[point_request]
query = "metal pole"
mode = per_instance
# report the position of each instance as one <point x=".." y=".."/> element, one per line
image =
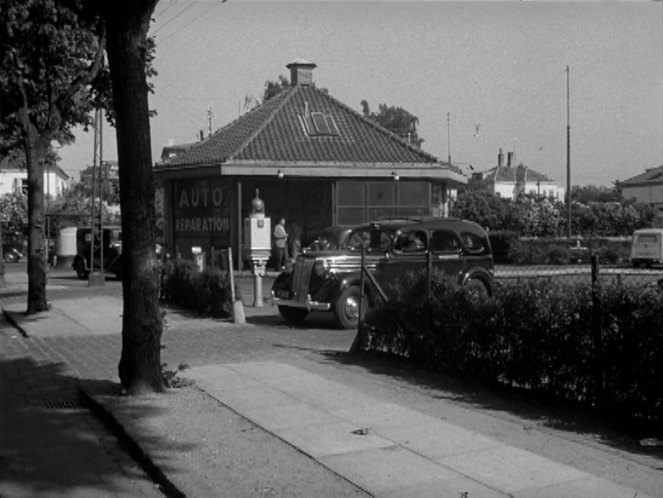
<point x="94" y="168"/>
<point x="102" y="174"/>
<point x="449" y="136"/>
<point x="568" y="159"/>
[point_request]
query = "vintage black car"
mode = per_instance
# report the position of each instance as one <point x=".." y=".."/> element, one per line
<point x="111" y="251"/>
<point x="330" y="280"/>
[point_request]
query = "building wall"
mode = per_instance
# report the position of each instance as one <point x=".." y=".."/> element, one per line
<point x="649" y="194"/>
<point x="209" y="212"/>
<point x="12" y="181"/>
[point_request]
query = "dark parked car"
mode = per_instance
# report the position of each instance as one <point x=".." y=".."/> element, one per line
<point x="329" y="280"/>
<point x="112" y="251"/>
<point x="12" y="246"/>
<point x="328" y="239"/>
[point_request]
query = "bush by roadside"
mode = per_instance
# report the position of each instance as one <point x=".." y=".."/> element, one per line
<point x="539" y="336"/>
<point x="508" y="247"/>
<point x="207" y="291"/>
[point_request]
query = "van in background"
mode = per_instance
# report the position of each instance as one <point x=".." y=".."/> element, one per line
<point x="647" y="247"/>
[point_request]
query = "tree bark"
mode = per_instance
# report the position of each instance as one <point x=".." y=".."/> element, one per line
<point x="3" y="282"/>
<point x="140" y="363"/>
<point x="35" y="147"/>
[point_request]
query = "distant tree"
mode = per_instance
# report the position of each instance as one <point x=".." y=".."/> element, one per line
<point x="14" y="212"/>
<point x="49" y="57"/>
<point x="395" y="119"/>
<point x="484" y="208"/>
<point x="591" y="193"/>
<point x="110" y="185"/>
<point x="274" y="88"/>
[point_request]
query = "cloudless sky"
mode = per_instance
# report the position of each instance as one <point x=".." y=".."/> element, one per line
<point x="498" y="66"/>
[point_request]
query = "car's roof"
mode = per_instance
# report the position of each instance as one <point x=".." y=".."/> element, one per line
<point x="425" y="223"/>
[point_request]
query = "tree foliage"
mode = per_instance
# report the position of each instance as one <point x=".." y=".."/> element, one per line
<point x="395" y="119"/>
<point x="49" y="58"/>
<point x="534" y="216"/>
<point x="14" y="212"/>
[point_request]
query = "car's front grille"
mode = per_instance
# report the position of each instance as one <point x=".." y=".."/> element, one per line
<point x="301" y="278"/>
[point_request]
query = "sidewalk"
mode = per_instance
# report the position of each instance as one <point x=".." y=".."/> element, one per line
<point x="258" y="423"/>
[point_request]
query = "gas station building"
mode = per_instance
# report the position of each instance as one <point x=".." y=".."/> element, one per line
<point x="314" y="161"/>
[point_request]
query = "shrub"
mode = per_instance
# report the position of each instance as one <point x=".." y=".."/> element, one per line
<point x="533" y="335"/>
<point x="208" y="291"/>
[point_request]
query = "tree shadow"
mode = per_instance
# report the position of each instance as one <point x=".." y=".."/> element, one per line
<point x="51" y="444"/>
<point x="565" y="417"/>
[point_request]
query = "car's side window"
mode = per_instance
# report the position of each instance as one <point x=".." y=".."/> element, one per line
<point x="473" y="242"/>
<point x="411" y="241"/>
<point x="445" y="241"/>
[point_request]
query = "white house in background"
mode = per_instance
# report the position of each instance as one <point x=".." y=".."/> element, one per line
<point x="648" y="189"/>
<point x="16" y="180"/>
<point x="509" y="181"/>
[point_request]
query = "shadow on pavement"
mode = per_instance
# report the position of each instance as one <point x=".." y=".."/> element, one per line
<point x="549" y="413"/>
<point x="51" y="444"/>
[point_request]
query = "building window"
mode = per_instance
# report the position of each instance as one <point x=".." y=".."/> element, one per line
<point x="318" y="124"/>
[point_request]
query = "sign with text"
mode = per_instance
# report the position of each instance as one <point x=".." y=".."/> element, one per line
<point x="201" y="209"/>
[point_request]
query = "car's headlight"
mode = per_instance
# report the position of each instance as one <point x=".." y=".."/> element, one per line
<point x="321" y="267"/>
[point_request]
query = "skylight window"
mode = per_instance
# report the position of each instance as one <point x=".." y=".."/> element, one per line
<point x="319" y="124"/>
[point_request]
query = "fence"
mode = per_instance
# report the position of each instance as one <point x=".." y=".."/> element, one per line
<point x="584" y="332"/>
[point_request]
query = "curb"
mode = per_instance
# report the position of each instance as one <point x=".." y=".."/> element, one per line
<point x="132" y="447"/>
<point x="8" y="316"/>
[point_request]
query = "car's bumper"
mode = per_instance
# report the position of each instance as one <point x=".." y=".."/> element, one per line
<point x="308" y="304"/>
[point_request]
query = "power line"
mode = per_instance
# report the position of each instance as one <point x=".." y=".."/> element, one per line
<point x="174" y="18"/>
<point x="206" y="11"/>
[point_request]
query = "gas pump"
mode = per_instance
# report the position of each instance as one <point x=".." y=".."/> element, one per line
<point x="257" y="245"/>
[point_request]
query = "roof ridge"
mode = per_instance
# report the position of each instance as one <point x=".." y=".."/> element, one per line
<point x="378" y="127"/>
<point x="288" y="94"/>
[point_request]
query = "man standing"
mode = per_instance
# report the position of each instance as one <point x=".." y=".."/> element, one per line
<point x="280" y="241"/>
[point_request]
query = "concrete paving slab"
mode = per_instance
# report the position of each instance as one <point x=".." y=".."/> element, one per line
<point x="461" y="487"/>
<point x="378" y="416"/>
<point x="383" y="470"/>
<point x="510" y="469"/>
<point x="248" y="399"/>
<point x="334" y="438"/>
<point x="294" y="415"/>
<point x="221" y="378"/>
<point x="583" y="488"/>
<point x="437" y="439"/>
<point x="266" y="370"/>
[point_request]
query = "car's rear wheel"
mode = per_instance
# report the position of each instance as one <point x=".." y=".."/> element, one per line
<point x="477" y="289"/>
<point x="294" y="315"/>
<point x="346" y="308"/>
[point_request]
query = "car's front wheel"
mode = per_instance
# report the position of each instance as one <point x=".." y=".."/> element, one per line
<point x="346" y="308"/>
<point x="81" y="272"/>
<point x="293" y="315"/>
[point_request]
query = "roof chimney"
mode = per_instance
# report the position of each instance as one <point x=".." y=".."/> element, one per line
<point x="301" y="72"/>
<point x="500" y="158"/>
<point x="509" y="159"/>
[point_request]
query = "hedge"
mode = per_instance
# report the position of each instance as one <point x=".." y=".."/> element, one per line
<point x="536" y="336"/>
<point x="206" y="292"/>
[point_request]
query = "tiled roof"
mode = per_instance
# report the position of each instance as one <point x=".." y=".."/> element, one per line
<point x="273" y="132"/>
<point x="507" y="174"/>
<point x="651" y="175"/>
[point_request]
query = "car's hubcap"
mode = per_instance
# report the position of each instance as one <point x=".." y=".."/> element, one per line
<point x="352" y="307"/>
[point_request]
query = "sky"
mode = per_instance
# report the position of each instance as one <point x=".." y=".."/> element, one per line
<point x="479" y="76"/>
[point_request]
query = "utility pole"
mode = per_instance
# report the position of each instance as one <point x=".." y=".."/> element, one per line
<point x="95" y="280"/>
<point x="568" y="159"/>
<point x="449" y="136"/>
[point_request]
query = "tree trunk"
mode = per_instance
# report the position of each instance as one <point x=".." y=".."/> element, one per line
<point x="35" y="152"/>
<point x="3" y="282"/>
<point x="142" y="326"/>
